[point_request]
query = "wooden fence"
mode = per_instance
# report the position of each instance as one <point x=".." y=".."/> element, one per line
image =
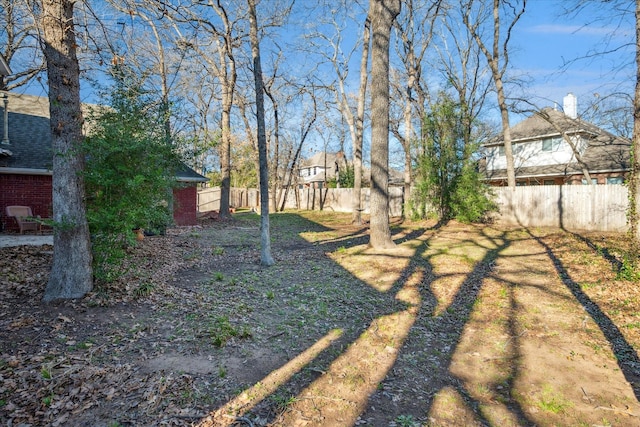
<point x="334" y="199"/>
<point x="574" y="207"/>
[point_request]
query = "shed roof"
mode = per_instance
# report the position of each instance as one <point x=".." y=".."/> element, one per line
<point x="4" y="67"/>
<point x="30" y="149"/>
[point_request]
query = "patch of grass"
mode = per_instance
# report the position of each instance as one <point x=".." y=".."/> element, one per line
<point x="217" y="250"/>
<point x="190" y="256"/>
<point x="218" y="276"/>
<point x="221" y="331"/>
<point x="270" y="294"/>
<point x="633" y="325"/>
<point x="47" y="400"/>
<point x="222" y="372"/>
<point x="552" y="401"/>
<point x="283" y="402"/>
<point x="629" y="269"/>
<point x="84" y="345"/>
<point x="405" y="421"/>
<point x="144" y="289"/>
<point x="45" y="373"/>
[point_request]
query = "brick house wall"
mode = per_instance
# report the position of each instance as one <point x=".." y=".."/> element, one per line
<point x="36" y="191"/>
<point x="185" y="199"/>
<point x="24" y="190"/>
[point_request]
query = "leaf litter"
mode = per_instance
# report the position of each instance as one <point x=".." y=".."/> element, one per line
<point x="210" y="323"/>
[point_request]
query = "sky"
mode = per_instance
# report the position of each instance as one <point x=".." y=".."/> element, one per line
<point x="549" y="51"/>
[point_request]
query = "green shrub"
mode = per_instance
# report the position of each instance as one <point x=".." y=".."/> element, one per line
<point x="129" y="173"/>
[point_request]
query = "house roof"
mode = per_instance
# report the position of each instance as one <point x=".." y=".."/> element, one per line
<point x="30" y="150"/>
<point x="605" y="152"/>
<point x="318" y="160"/>
<point x="29" y="135"/>
<point x="4" y="67"/>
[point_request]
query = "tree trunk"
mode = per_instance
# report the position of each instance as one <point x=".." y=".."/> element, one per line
<point x="71" y="274"/>
<point x="506" y="133"/>
<point x="265" y="236"/>
<point x="356" y="217"/>
<point x="634" y="180"/>
<point x="225" y="154"/>
<point x="382" y="13"/>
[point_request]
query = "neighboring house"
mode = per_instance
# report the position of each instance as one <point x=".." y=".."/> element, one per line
<point x="320" y="168"/>
<point x="543" y="152"/>
<point x="26" y="163"/>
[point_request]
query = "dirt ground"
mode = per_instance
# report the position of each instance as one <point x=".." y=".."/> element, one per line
<point x="459" y="325"/>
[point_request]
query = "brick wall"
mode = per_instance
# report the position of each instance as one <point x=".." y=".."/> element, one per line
<point x="36" y="191"/>
<point x="185" y="201"/>
<point x="24" y="190"/>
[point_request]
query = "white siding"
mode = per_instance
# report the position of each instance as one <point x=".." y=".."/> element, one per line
<point x="530" y="153"/>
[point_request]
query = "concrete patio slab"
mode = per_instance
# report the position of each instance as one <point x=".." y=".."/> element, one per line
<point x="8" y="240"/>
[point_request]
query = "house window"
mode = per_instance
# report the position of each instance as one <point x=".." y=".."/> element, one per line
<point x="517" y="148"/>
<point x="549" y="182"/>
<point x="613" y="180"/>
<point x="521" y="183"/>
<point x="501" y="150"/>
<point x="593" y="181"/>
<point x="551" y="144"/>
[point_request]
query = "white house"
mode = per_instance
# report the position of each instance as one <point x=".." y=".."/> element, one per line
<point x="555" y="148"/>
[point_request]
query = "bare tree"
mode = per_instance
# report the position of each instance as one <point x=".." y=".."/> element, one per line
<point x="382" y="13"/>
<point x="71" y="274"/>
<point x="497" y="57"/>
<point x="19" y="40"/>
<point x="306" y="125"/>
<point x="351" y="107"/>
<point x="225" y="34"/>
<point x="459" y="61"/>
<point x="415" y="32"/>
<point x="634" y="180"/>
<point x="265" y="236"/>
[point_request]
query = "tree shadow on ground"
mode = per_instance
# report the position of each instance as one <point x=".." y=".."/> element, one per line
<point x="409" y="301"/>
<point x="441" y="328"/>
<point x="626" y="355"/>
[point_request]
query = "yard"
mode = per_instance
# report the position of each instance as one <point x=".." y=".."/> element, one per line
<point x="461" y="325"/>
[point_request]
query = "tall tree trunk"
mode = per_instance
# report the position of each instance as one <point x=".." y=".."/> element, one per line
<point x="506" y="133"/>
<point x="265" y="236"/>
<point x="634" y="180"/>
<point x="225" y="152"/>
<point x="71" y="274"/>
<point x="227" y="75"/>
<point x="382" y="14"/>
<point x="356" y="216"/>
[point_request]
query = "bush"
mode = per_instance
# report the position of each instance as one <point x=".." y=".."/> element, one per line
<point x="129" y="173"/>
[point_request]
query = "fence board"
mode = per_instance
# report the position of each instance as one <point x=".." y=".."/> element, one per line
<point x="574" y="207"/>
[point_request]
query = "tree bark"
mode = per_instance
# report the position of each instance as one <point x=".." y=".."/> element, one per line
<point x="265" y="236"/>
<point x="382" y="14"/>
<point x="356" y="217"/>
<point x="71" y="274"/>
<point x="634" y="180"/>
<point x="227" y="75"/>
